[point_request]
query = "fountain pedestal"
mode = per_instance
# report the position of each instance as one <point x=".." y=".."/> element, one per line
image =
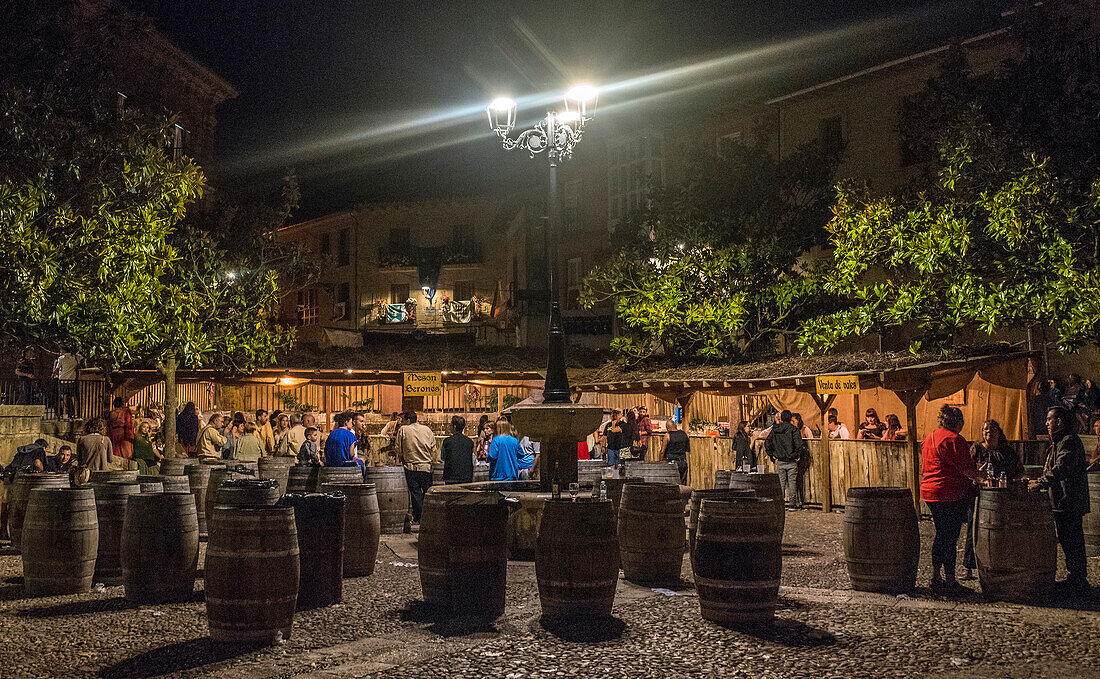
<point x="558" y="427"/>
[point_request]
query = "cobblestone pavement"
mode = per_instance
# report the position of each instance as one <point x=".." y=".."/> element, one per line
<point x="822" y="629"/>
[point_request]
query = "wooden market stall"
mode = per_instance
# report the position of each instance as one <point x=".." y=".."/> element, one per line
<point x="991" y="386"/>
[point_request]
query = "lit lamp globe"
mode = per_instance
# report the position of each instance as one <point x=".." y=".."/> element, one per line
<point x="582" y="100"/>
<point x="502" y="114"/>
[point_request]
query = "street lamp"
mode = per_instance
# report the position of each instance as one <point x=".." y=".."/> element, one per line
<point x="556" y="135"/>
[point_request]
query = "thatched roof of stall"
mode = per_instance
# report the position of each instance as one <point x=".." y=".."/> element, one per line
<point x="787" y="371"/>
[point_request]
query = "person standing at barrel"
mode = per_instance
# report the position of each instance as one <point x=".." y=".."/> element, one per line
<point x="742" y="446"/>
<point x="676" y="450"/>
<point x="248" y="447"/>
<point x="786" y="446"/>
<point x="949" y="477"/>
<point x="458" y="454"/>
<point x="504" y="453"/>
<point x="264" y="432"/>
<point x="1065" y="478"/>
<point x="993" y="451"/>
<point x="209" y="442"/>
<point x="613" y="438"/>
<point x="187" y="428"/>
<point x="416" y="450"/>
<point x="340" y="444"/>
<point x="120" y="427"/>
<point x="93" y="450"/>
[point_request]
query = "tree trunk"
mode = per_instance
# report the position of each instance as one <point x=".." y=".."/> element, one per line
<point x="171" y="405"/>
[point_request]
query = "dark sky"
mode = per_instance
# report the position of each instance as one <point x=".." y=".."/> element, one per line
<point x="383" y="100"/>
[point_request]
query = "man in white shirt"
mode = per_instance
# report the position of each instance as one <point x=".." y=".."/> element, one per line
<point x="66" y="373"/>
<point x="416" y="451"/>
<point x="837" y="430"/>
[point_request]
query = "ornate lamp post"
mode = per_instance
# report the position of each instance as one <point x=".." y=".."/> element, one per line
<point x="555" y="135"/>
<point x="557" y="423"/>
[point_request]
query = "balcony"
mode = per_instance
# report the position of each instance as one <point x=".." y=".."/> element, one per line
<point x="395" y="255"/>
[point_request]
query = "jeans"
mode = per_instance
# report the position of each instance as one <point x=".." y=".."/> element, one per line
<point x="968" y="550"/>
<point x="788" y="482"/>
<point x="612" y="457"/>
<point x="948" y="518"/>
<point x="418" y="483"/>
<point x="1071" y="535"/>
<point x="682" y="466"/>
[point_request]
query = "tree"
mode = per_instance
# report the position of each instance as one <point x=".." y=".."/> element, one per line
<point x="713" y="268"/>
<point x="1003" y="234"/>
<point x="95" y="208"/>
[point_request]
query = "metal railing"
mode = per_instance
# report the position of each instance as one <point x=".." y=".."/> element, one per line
<point x="75" y="399"/>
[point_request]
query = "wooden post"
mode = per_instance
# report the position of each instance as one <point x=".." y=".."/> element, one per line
<point x="326" y="406"/>
<point x="911" y="397"/>
<point x="824" y="402"/>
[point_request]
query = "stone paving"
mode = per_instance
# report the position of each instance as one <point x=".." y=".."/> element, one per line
<point x="822" y="629"/>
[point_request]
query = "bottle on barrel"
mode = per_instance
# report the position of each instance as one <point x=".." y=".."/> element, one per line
<point x="555" y="489"/>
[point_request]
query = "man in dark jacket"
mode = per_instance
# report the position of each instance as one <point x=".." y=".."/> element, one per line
<point x="1066" y="480"/>
<point x="785" y="445"/>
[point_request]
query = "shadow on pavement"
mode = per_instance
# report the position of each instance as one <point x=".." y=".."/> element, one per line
<point x="789" y="633"/>
<point x="177" y="657"/>
<point x="584" y="630"/>
<point x="443" y="622"/>
<point x="77" y="608"/>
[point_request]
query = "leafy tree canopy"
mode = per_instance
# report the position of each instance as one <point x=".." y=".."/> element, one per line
<point x="712" y="267"/>
<point x="1003" y="234"/>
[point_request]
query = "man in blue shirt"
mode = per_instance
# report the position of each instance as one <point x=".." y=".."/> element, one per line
<point x="340" y="447"/>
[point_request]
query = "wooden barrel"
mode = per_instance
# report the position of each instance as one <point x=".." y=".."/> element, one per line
<point x="319" y="520"/>
<point x="218" y="476"/>
<point x="19" y="493"/>
<point x="150" y="484"/>
<point x="722" y="478"/>
<point x="251" y="574"/>
<point x="198" y="480"/>
<point x="277" y="468"/>
<point x="653" y="472"/>
<point x="60" y="540"/>
<point x="175" y="484"/>
<point x="1092" y="519"/>
<point x="362" y="526"/>
<point x="160" y="547"/>
<point x="393" y="497"/>
<point x="110" y="505"/>
<point x="738" y="560"/>
<point x="463" y="551"/>
<point x="589" y="472"/>
<point x="881" y="539"/>
<point x="764" y="485"/>
<point x="651" y="533"/>
<point x="107" y="476"/>
<point x="1015" y="545"/>
<point x="577" y="559"/>
<point x="697" y="496"/>
<point x="351" y="474"/>
<point x="437" y="473"/>
<point x="481" y="471"/>
<point x="246" y="493"/>
<point x="176" y="466"/>
<point x="303" y="479"/>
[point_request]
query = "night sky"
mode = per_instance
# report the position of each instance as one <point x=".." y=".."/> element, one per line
<point x="383" y="100"/>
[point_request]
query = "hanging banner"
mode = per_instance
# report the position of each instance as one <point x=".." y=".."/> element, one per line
<point x="422" y="384"/>
<point x="837" y="384"/>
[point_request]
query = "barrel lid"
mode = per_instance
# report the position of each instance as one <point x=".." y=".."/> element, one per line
<point x="242" y="469"/>
<point x="82" y="491"/>
<point x="258" y="484"/>
<point x="883" y="491"/>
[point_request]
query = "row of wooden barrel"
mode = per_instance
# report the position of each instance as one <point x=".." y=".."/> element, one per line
<point x="148" y="542"/>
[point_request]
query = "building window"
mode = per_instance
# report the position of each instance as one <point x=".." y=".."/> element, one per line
<point x="400" y="239"/>
<point x="573" y="284"/>
<point x="307" y="307"/>
<point x="399" y="293"/>
<point x="464" y="290"/>
<point x="632" y="165"/>
<point x="343" y="299"/>
<point x="831" y="134"/>
<point x="179" y="141"/>
<point x="343" y="247"/>
<point x="325" y="245"/>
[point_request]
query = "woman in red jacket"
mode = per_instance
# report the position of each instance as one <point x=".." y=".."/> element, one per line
<point x="947" y="486"/>
<point x="120" y="426"/>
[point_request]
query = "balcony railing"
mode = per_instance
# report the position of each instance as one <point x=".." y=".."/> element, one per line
<point x="456" y="252"/>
